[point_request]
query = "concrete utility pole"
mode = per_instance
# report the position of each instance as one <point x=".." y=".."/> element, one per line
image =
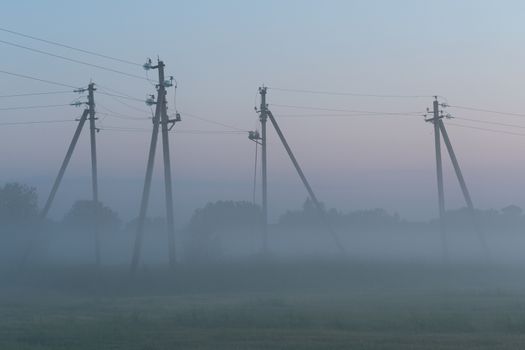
<point x="94" y="173"/>
<point x="440" y="130"/>
<point x="306" y="184"/>
<point x="167" y="165"/>
<point x="47" y="206"/>
<point x="464" y="190"/>
<point x="264" y="114"/>
<point x="439" y="172"/>
<point x="64" y="165"/>
<point x="160" y="118"/>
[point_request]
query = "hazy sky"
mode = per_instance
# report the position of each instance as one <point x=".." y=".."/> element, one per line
<point x="470" y="52"/>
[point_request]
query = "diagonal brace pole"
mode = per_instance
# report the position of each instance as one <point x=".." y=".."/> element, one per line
<point x="47" y="206"/>
<point x="306" y="184"/>
<point x="65" y="163"/>
<point x="463" y="185"/>
<point x="146" y="190"/>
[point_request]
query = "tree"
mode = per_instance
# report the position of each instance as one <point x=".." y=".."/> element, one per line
<point x="206" y="224"/>
<point x="512" y="211"/>
<point x="18" y="206"/>
<point x="307" y="216"/>
<point x="84" y="214"/>
<point x="18" y="219"/>
<point x="93" y="217"/>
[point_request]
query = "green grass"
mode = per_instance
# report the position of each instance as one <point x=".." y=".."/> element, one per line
<point x="307" y="305"/>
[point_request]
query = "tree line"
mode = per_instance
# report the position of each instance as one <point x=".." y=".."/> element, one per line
<point x="201" y="236"/>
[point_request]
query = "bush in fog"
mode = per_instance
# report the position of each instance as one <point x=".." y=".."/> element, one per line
<point x="309" y="215"/>
<point x="509" y="218"/>
<point x="208" y="224"/>
<point x="84" y="213"/>
<point x="18" y="208"/>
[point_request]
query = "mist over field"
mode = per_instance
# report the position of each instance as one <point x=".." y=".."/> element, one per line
<point x="293" y="174"/>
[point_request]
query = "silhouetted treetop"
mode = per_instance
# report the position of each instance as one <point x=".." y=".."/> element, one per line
<point x="18" y="204"/>
<point x="84" y="213"/>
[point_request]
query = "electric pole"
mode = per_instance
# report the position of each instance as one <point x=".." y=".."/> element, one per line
<point x="439" y="172"/>
<point x="264" y="114"/>
<point x="160" y="118"/>
<point x="167" y="166"/>
<point x="440" y="130"/>
<point x="94" y="173"/>
<point x="88" y="113"/>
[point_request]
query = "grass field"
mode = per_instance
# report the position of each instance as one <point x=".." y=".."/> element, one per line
<point x="285" y="305"/>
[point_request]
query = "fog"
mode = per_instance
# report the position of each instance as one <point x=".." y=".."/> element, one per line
<point x="262" y="175"/>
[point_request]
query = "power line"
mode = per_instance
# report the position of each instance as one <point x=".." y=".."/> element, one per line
<point x="335" y="93"/>
<point x="488" y="111"/>
<point x="120" y="96"/>
<point x="188" y="131"/>
<point x="347" y="110"/>
<point x="122" y="116"/>
<point x="70" y="47"/>
<point x="491" y="123"/>
<point x="119" y="93"/>
<point x="38" y="79"/>
<point x="212" y="122"/>
<point x="198" y="132"/>
<point x="73" y="60"/>
<point x="38" y="122"/>
<point x="486" y="129"/>
<point x="379" y="115"/>
<point x="37" y="94"/>
<point x="33" y="107"/>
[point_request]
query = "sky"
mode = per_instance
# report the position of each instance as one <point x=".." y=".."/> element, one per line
<point x="470" y="53"/>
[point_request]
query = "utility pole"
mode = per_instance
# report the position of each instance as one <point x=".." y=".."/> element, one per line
<point x="264" y="114"/>
<point x="439" y="172"/>
<point x="160" y="117"/>
<point x="88" y="112"/>
<point x="94" y="173"/>
<point x="167" y="166"/>
<point x="440" y="130"/>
